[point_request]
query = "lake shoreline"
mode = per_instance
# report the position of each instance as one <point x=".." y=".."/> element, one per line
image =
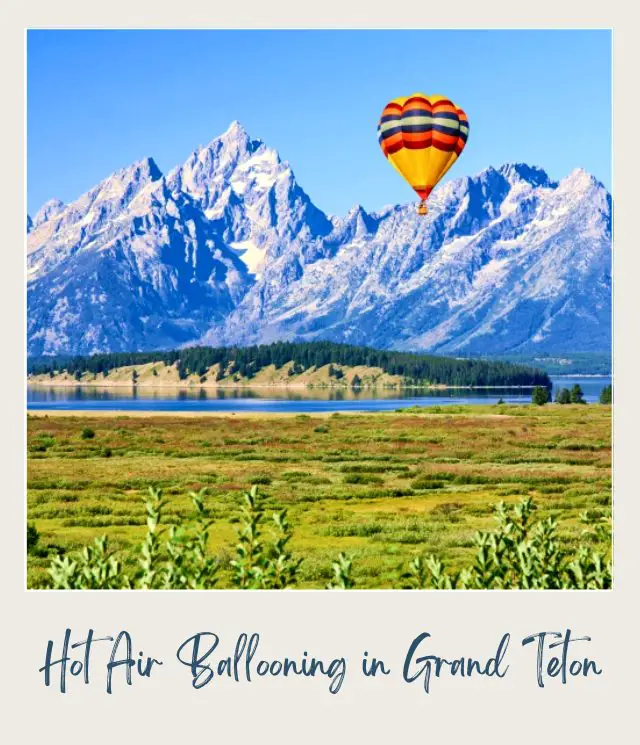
<point x="296" y="398"/>
<point x="292" y="386"/>
<point x="148" y="413"/>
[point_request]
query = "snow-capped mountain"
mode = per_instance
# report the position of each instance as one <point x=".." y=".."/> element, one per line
<point x="251" y="197"/>
<point x="228" y="249"/>
<point x="129" y="265"/>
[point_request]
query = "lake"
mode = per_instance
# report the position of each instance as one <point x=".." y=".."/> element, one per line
<point x="285" y="400"/>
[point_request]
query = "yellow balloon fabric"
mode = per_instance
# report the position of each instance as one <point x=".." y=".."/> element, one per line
<point x="422" y="137"/>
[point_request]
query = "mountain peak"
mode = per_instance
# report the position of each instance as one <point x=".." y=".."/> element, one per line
<point x="48" y="210"/>
<point x="581" y="179"/>
<point x="235" y="129"/>
<point x="235" y="139"/>
<point x="533" y="175"/>
<point x="145" y="168"/>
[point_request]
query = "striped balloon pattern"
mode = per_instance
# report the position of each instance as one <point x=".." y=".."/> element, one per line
<point x="422" y="137"/>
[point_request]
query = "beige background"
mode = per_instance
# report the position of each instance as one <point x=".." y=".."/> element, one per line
<point x="165" y="708"/>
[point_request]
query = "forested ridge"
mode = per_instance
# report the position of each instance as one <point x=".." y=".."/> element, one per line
<point x="247" y="361"/>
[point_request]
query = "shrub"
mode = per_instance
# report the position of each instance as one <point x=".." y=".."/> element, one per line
<point x="178" y="557"/>
<point x="524" y="554"/>
<point x="33" y="536"/>
<point x="342" y="578"/>
<point x="519" y="553"/>
<point x="255" y="566"/>
<point x="426" y="482"/>
<point x="87" y="434"/>
<point x="362" y="478"/>
<point x="260" y="479"/>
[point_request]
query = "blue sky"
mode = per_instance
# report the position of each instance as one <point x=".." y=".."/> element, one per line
<point x="99" y="100"/>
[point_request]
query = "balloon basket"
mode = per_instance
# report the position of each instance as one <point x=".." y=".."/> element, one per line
<point x="422" y="208"/>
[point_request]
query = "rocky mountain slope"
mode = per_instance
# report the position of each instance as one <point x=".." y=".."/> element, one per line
<point x="228" y="249"/>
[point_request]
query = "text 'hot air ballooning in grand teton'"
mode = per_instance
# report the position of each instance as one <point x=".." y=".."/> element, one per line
<point x="422" y="137"/>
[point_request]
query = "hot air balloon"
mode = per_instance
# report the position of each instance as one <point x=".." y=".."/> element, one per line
<point x="422" y="137"/>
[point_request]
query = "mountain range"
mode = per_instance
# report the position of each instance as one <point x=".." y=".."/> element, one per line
<point x="228" y="249"/>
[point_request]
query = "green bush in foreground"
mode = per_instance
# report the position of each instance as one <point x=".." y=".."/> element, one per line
<point x="520" y="553"/>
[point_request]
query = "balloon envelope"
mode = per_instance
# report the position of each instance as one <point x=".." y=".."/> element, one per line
<point x="422" y="137"/>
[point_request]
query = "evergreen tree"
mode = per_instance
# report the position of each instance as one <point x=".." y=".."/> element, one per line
<point x="422" y="369"/>
<point x="577" y="396"/>
<point x="563" y="396"/>
<point x="540" y="395"/>
<point x="606" y="394"/>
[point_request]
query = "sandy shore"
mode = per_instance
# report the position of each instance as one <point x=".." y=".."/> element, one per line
<point x="147" y="414"/>
<point x="111" y="413"/>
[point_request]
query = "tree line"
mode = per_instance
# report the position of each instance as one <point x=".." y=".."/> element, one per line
<point x="575" y="395"/>
<point x="247" y="361"/>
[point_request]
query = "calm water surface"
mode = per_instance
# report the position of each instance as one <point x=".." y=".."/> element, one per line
<point x="282" y="399"/>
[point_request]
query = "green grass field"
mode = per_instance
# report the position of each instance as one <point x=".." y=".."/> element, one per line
<point x="380" y="487"/>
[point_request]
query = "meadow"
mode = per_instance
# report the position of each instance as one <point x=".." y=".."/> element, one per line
<point x="381" y="488"/>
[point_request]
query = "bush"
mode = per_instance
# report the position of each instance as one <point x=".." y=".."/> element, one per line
<point x="362" y="478"/>
<point x="524" y="554"/>
<point x="260" y="479"/>
<point x="342" y="578"/>
<point x="540" y="395"/>
<point x="33" y="536"/>
<point x="426" y="482"/>
<point x="520" y="553"/>
<point x="87" y="434"/>
<point x="563" y="396"/>
<point x="178" y="557"/>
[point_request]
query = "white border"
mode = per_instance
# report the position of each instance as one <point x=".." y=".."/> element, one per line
<point x="166" y="708"/>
